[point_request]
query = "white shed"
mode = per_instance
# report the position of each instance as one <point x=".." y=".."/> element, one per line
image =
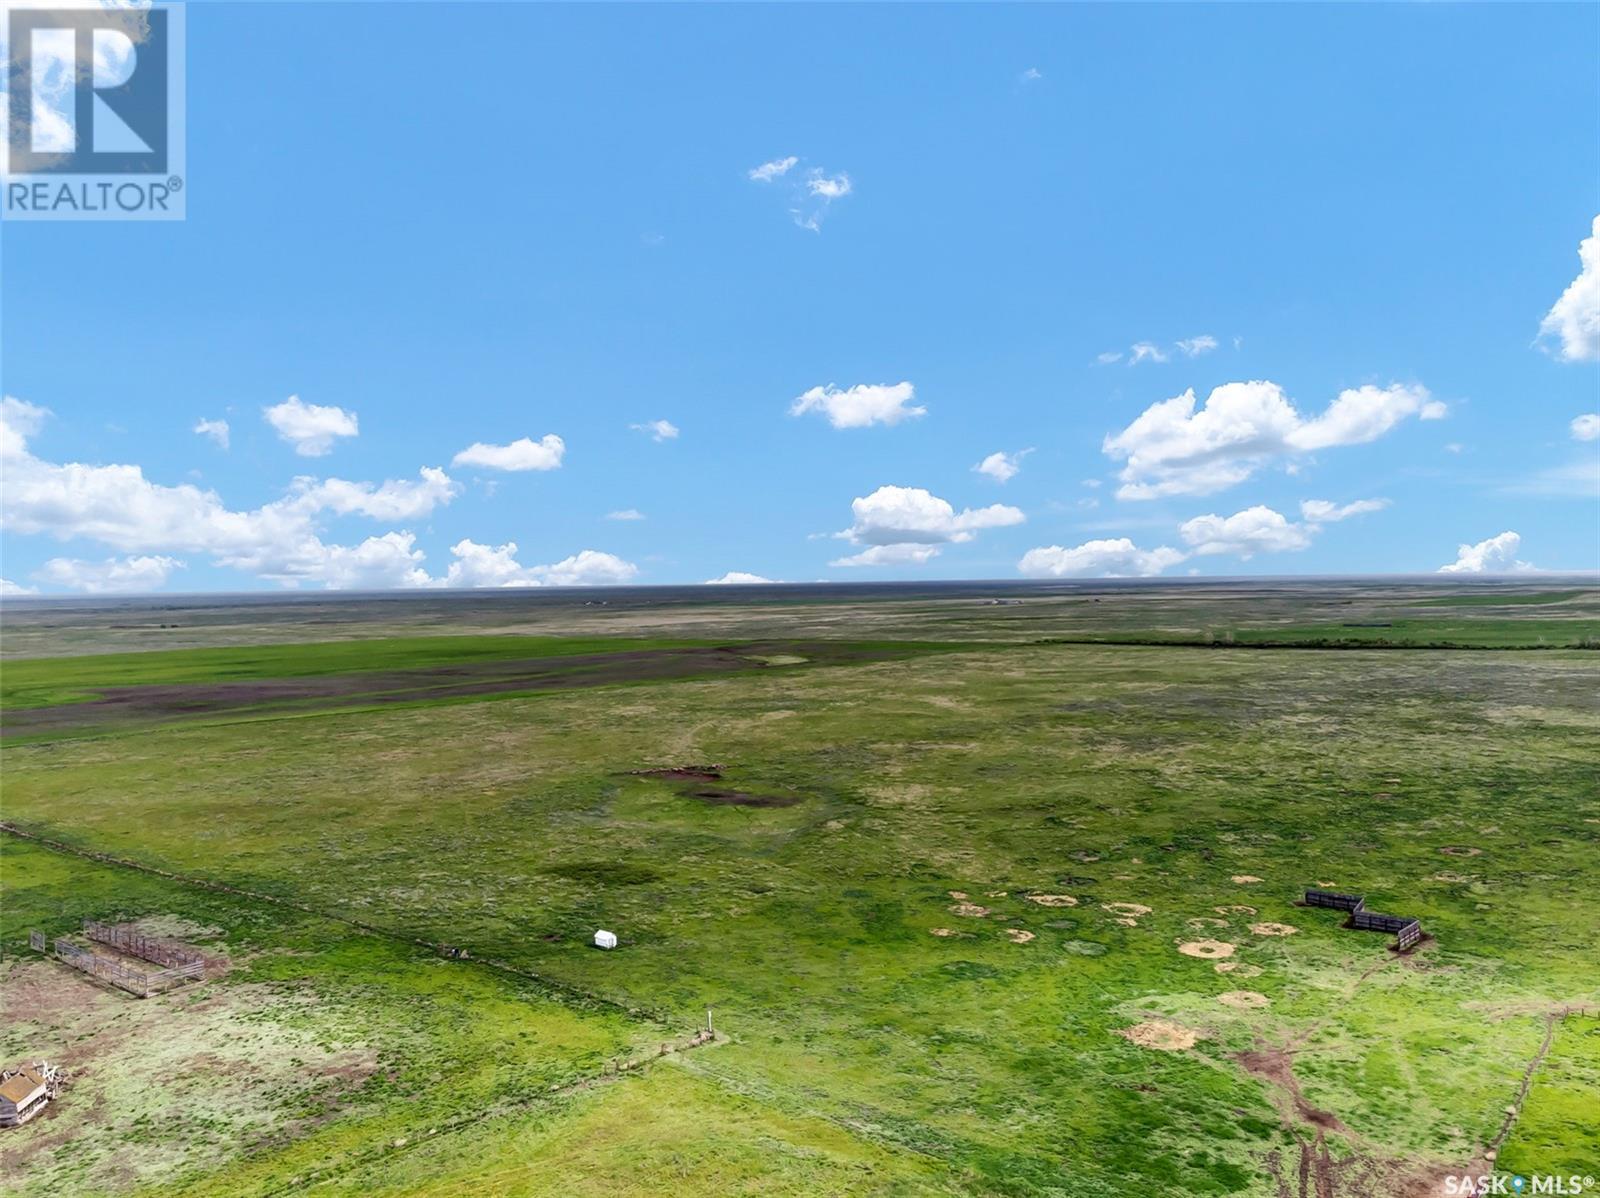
<point x="605" y="939"/>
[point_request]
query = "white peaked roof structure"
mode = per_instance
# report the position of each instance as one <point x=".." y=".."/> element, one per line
<point x="605" y="939"/>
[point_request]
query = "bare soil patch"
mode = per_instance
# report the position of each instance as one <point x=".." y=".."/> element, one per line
<point x="1209" y="950"/>
<point x="1243" y="879"/>
<point x="162" y="702"/>
<point x="682" y="773"/>
<point x="1018" y="935"/>
<point x="1132" y="910"/>
<point x="1245" y="1000"/>
<point x="1238" y="969"/>
<point x="1160" y="1034"/>
<point x="1460" y="850"/>
<point x="1273" y="929"/>
<point x="1276" y="1065"/>
<point x="1053" y="900"/>
<point x="970" y="910"/>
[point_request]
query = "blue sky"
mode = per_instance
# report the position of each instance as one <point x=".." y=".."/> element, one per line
<point x="1352" y="232"/>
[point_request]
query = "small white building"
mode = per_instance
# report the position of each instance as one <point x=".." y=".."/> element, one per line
<point x="605" y="939"/>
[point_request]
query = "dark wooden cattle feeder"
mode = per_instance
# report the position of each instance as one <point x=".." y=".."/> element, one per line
<point x="1407" y="929"/>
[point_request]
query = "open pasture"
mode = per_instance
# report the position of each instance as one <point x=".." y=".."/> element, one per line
<point x="1008" y="917"/>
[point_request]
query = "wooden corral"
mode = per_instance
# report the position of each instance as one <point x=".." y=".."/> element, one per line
<point x="179" y="963"/>
<point x="127" y="939"/>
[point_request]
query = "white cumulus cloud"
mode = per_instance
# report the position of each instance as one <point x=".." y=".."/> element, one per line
<point x="1173" y="449"/>
<point x="911" y="515"/>
<point x="860" y="406"/>
<point x="1586" y="427"/>
<point x="310" y="428"/>
<point x="19" y="420"/>
<point x="1323" y="511"/>
<point x="819" y="192"/>
<point x="1002" y="467"/>
<point x="907" y="525"/>
<point x="522" y="454"/>
<point x="890" y="555"/>
<point x="1193" y="347"/>
<point x="659" y="430"/>
<point x="117" y="506"/>
<point x="395" y="499"/>
<point x="1118" y="558"/>
<point x="828" y="187"/>
<point x="1574" y="320"/>
<point x="1146" y="351"/>
<point x="1496" y="555"/>
<point x="1255" y="530"/>
<point x="776" y="169"/>
<point x="217" y="430"/>
<point x="737" y="578"/>
<point x="810" y="193"/>
<point x="12" y="590"/>
<point x="478" y="565"/>
<point x="588" y="568"/>
<point x="627" y="513"/>
<point x="114" y="576"/>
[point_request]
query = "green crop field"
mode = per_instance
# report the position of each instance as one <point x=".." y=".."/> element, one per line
<point x="984" y="898"/>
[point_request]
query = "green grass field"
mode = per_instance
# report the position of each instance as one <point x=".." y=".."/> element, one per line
<point x="1021" y="921"/>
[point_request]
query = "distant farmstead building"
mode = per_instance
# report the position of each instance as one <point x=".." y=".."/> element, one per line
<point x="22" y="1096"/>
<point x="605" y="939"/>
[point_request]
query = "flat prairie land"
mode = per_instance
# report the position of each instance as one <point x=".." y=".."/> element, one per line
<point x="988" y="891"/>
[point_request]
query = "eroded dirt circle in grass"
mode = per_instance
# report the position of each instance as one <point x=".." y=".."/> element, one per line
<point x="1018" y="935"/>
<point x="1247" y="1000"/>
<point x="944" y="931"/>
<point x="1132" y="910"/>
<point x="1273" y="929"/>
<point x="958" y="895"/>
<point x="1243" y="879"/>
<point x="1209" y="950"/>
<point x="970" y="910"/>
<point x="1053" y="900"/>
<point x="1460" y="850"/>
<point x="1238" y="969"/>
<point x="1203" y="922"/>
<point x="1235" y="909"/>
<point x="1160" y="1034"/>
